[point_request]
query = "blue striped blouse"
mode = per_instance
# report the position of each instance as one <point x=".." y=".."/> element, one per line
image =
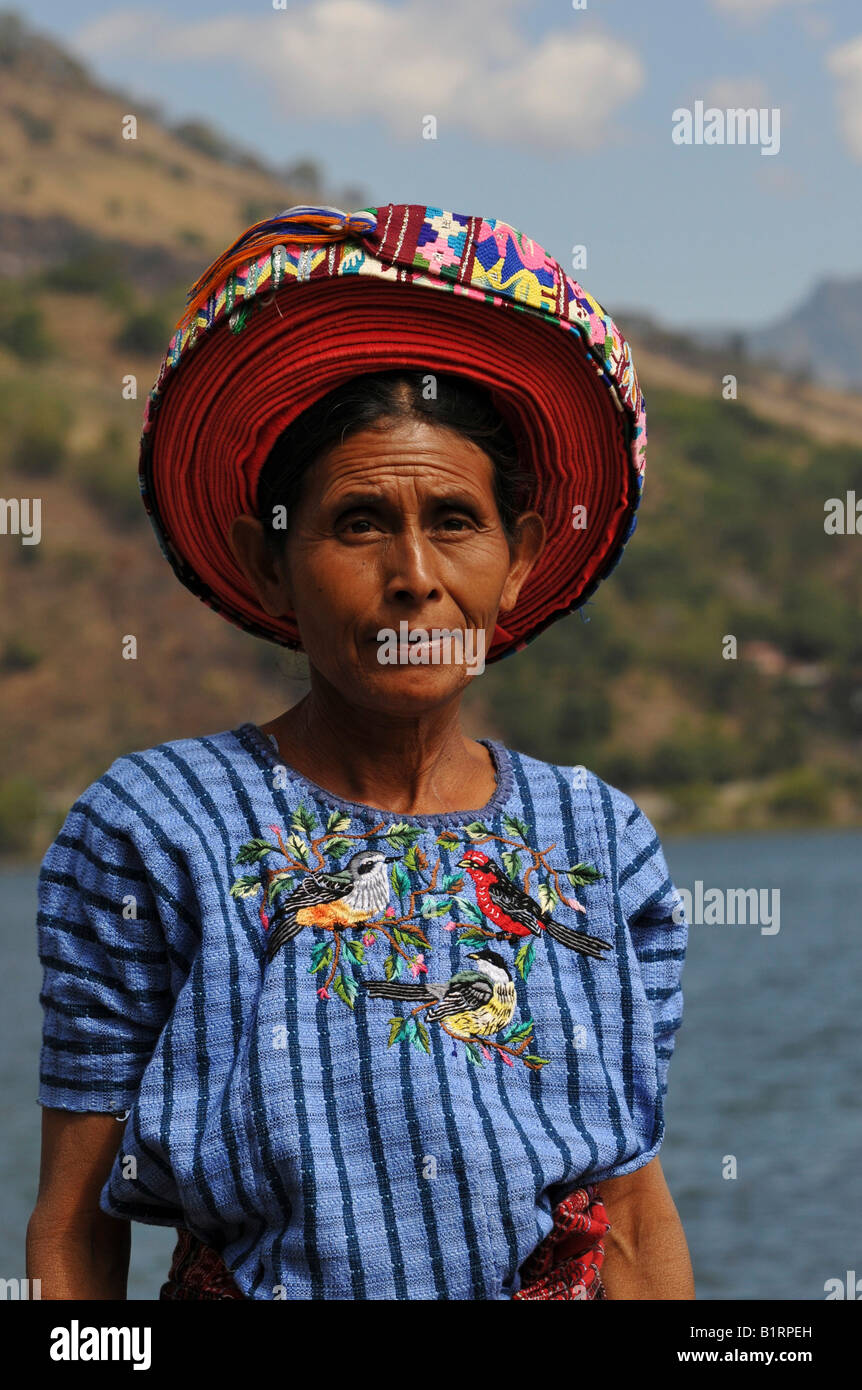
<point x="363" y="1055"/>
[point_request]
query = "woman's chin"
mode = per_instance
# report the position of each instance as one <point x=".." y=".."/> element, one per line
<point x="411" y="686"/>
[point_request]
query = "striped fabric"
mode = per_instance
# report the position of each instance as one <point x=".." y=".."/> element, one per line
<point x="326" y="1141"/>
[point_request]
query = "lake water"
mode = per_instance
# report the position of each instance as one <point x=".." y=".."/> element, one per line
<point x="766" y="1069"/>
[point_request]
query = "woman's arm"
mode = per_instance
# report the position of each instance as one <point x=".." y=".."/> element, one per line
<point x="646" y="1255"/>
<point x="72" y="1246"/>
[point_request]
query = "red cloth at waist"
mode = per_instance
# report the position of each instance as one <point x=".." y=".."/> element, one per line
<point x="565" y="1265"/>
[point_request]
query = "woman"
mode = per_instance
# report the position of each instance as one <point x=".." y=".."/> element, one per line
<point x="384" y="1012"/>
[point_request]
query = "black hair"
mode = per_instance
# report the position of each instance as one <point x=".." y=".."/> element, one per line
<point x="372" y="399"/>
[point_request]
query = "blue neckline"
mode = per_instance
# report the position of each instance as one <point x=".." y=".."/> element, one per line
<point x="263" y="745"/>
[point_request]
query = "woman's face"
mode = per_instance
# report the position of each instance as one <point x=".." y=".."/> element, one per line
<point x="396" y="524"/>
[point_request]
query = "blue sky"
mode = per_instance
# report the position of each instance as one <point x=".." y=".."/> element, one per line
<point x="557" y="119"/>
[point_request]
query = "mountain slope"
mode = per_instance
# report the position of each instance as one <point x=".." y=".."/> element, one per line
<point x="99" y="239"/>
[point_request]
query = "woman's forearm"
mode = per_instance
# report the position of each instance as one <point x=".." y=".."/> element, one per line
<point x="651" y="1263"/>
<point x="646" y="1253"/>
<point x="90" y="1260"/>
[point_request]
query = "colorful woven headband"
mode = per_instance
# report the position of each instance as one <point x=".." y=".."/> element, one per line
<point x="305" y="300"/>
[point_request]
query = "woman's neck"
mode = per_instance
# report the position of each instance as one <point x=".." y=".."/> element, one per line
<point x="420" y="765"/>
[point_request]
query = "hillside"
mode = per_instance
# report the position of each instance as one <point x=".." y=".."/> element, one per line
<point x="152" y="207"/>
<point x="821" y="336"/>
<point x="730" y="538"/>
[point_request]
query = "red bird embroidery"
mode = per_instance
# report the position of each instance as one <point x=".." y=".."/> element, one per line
<point x="515" y="914"/>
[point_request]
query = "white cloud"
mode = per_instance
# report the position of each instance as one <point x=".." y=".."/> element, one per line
<point x="467" y="62"/>
<point x="845" y="64"/>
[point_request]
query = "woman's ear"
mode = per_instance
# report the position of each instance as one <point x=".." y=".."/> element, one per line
<point x="264" y="571"/>
<point x="530" y="540"/>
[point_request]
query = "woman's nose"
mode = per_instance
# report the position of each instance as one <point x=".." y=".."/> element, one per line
<point x="411" y="563"/>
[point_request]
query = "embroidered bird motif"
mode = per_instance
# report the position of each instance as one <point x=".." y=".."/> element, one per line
<point x="333" y="899"/>
<point x="474" y="1003"/>
<point x="515" y="914"/>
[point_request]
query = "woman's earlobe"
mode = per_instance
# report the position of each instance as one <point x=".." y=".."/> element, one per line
<point x="259" y="565"/>
<point x="532" y="538"/>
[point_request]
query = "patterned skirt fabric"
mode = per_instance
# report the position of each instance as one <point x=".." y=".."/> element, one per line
<point x="198" y="1271"/>
<point x="568" y="1262"/>
<point x="566" y="1265"/>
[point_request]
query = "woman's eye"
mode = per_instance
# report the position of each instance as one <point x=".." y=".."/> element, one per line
<point x="354" y="526"/>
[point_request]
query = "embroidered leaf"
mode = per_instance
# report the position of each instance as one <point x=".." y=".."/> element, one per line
<point x="579" y="874"/>
<point x="414" y="1030"/>
<point x="473" y="1054"/>
<point x="411" y="936"/>
<point x="278" y="884"/>
<point x="335" y="848"/>
<point x="253" y="851"/>
<point x="298" y="848"/>
<point x="396" y="1026"/>
<point x="477" y="831"/>
<point x="548" y="896"/>
<point x="525" y="957"/>
<point x="345" y="987"/>
<point x="470" y="910"/>
<point x="533" y="1062"/>
<point x="438" y="909"/>
<point x="399" y="880"/>
<point x="452" y="881"/>
<point x="512" y="864"/>
<point x="303" y="819"/>
<point x="472" y="938"/>
<point x="402" y="836"/>
<point x="516" y="827"/>
<point x="517" y="1032"/>
<point x="248" y="886"/>
<point x="393" y="965"/>
<point x="321" y="955"/>
<point x="337" y="821"/>
<point x="356" y="949"/>
<point x="415" y="859"/>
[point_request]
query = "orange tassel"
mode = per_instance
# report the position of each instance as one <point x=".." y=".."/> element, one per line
<point x="317" y="228"/>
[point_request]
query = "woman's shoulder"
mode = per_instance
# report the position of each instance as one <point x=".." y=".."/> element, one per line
<point x="142" y="773"/>
<point x="622" y="830"/>
<point x="145" y="797"/>
<point x="587" y="785"/>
